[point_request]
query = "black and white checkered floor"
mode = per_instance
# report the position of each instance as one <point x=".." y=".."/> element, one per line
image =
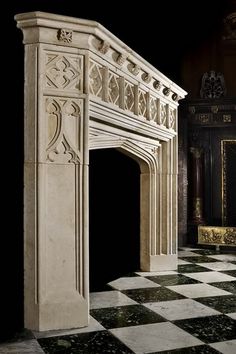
<point x="192" y="310"/>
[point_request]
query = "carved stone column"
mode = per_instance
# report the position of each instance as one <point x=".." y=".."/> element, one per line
<point x="197" y="185"/>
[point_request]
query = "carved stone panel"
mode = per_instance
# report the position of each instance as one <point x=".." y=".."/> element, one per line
<point x="63" y="129"/>
<point x="63" y="71"/>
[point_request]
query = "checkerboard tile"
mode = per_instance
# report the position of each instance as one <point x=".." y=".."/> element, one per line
<point x="190" y="310"/>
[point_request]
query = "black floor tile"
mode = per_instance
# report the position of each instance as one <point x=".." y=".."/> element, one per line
<point x="172" y="279"/>
<point x="199" y="259"/>
<point x="192" y="268"/>
<point x="229" y="272"/>
<point x="152" y="294"/>
<point x="226" y="285"/>
<point x="200" y="349"/>
<point x="224" y="304"/>
<point x="207" y="252"/>
<point x="125" y="316"/>
<point x="210" y="329"/>
<point x="86" y="343"/>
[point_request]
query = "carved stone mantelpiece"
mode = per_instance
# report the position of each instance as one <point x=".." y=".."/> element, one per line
<point x="81" y="93"/>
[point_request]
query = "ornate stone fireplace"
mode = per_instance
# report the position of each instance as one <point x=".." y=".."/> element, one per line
<point x="85" y="89"/>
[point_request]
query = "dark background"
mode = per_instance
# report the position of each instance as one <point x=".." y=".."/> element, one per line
<point x="160" y="31"/>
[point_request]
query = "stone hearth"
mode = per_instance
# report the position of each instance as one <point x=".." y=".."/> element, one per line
<point x="85" y="89"/>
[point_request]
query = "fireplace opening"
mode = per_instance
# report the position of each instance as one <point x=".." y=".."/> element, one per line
<point x="114" y="216"/>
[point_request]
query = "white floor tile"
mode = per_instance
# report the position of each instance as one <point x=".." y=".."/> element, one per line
<point x="218" y="265"/>
<point x="180" y="309"/>
<point x="189" y="249"/>
<point x="154" y="337"/>
<point x="232" y="315"/>
<point x="152" y="274"/>
<point x="132" y="283"/>
<point x="228" y="347"/>
<point x="109" y="299"/>
<point x="198" y="290"/>
<point x="25" y="347"/>
<point x="224" y="257"/>
<point x="210" y="277"/>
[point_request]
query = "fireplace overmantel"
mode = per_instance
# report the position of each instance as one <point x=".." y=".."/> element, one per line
<point x="85" y="89"/>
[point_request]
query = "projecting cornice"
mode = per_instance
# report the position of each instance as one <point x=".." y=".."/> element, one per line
<point x="91" y="35"/>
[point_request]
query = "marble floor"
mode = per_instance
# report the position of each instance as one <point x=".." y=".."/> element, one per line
<point x="191" y="310"/>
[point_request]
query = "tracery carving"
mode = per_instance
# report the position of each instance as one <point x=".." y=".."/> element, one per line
<point x="163" y="114"/>
<point x="142" y="103"/>
<point x="63" y="121"/>
<point x="95" y="78"/>
<point x="129" y="96"/>
<point x="113" y="89"/>
<point x="153" y="109"/>
<point x="64" y="35"/>
<point x="172" y="118"/>
<point x="64" y="71"/>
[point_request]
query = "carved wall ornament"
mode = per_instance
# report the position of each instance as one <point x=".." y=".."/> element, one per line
<point x="166" y="91"/>
<point x="121" y="59"/>
<point x="172" y="118"/>
<point x="230" y="27"/>
<point x="146" y="77"/>
<point x="64" y="35"/>
<point x="217" y="235"/>
<point x="213" y="85"/>
<point x="104" y="47"/>
<point x="157" y="85"/>
<point x="134" y="69"/>
<point x="214" y="109"/>
<point x="197" y="152"/>
<point x="226" y="118"/>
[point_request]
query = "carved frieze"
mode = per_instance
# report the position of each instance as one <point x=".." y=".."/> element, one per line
<point x="63" y="129"/>
<point x="63" y="71"/>
<point x="157" y="85"/>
